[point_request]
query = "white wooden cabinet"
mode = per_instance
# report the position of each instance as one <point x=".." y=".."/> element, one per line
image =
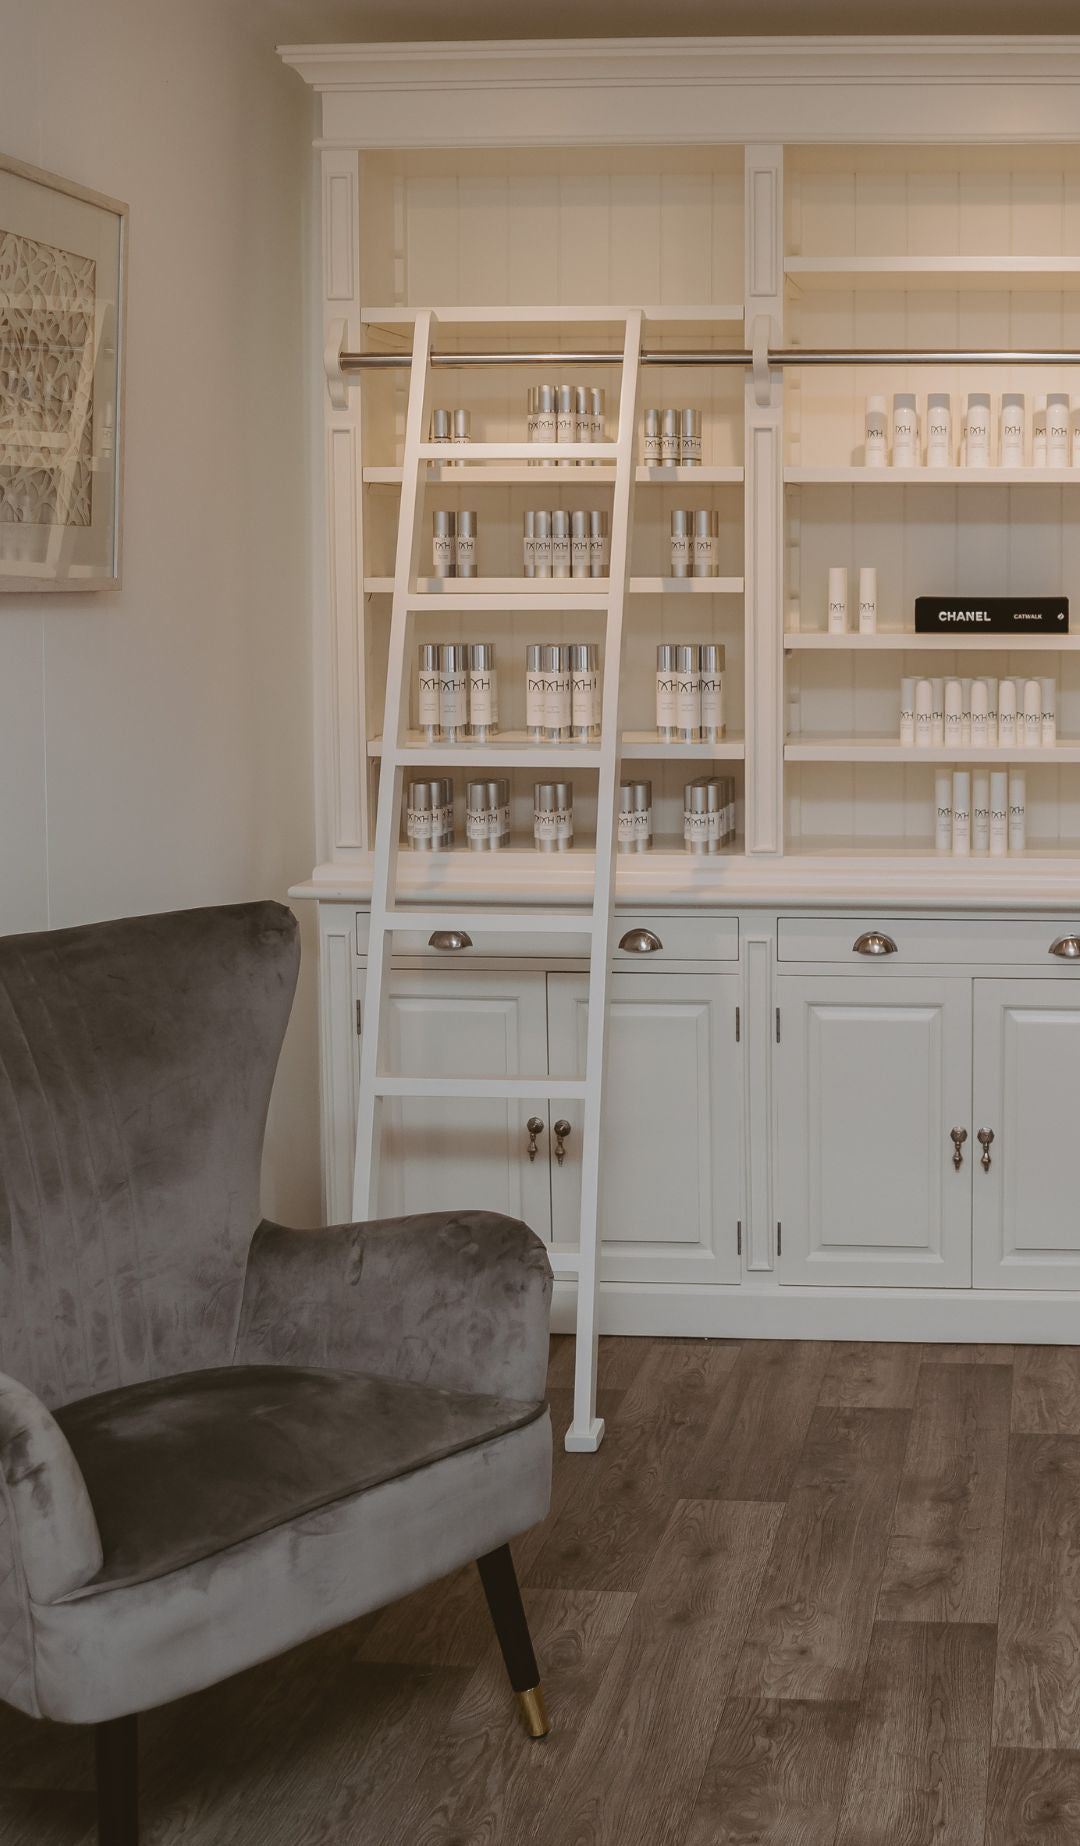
<point x="1027" y="1080"/>
<point x="871" y="1075"/>
<point x="671" y="1197"/>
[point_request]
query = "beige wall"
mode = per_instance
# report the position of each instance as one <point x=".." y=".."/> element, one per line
<point x="155" y="745"/>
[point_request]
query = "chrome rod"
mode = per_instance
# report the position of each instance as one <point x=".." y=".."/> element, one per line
<point x="783" y="356"/>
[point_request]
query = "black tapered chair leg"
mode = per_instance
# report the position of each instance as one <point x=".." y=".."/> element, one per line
<point x="499" y="1578"/>
<point x="118" y="1782"/>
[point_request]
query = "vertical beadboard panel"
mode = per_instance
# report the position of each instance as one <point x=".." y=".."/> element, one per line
<point x="533" y="241"/>
<point x="339" y="1058"/>
<point x="634" y="255"/>
<point x="339" y="650"/>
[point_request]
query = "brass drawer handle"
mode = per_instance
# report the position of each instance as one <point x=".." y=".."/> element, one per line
<point x="562" y="1135"/>
<point x="449" y="940"/>
<point x="985" y="1137"/>
<point x="959" y="1136"/>
<point x="1068" y="947"/>
<point x="640" y="942"/>
<point x="533" y="1127"/>
<point x="874" y="942"/>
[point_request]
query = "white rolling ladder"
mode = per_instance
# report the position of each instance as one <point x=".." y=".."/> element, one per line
<point x="398" y="754"/>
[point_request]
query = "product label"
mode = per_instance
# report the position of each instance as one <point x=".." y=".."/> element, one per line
<point x="703" y="827"/>
<point x="488" y="823"/>
<point x="597" y="554"/>
<point x="670" y="449"/>
<point x="687" y="702"/>
<point x="705" y="554"/>
<point x="553" y="824"/>
<point x="453" y="700"/>
<point x="443" y="551"/>
<point x="585" y="699"/>
<point x="665" y="701"/>
<point x="535" y="701"/>
<point x="544" y="427"/>
<point x="418" y="823"/>
<point x="466" y="552"/>
<point x="580" y="556"/>
<point x="691" y="449"/>
<point x="557" y="701"/>
<point x="560" y="555"/>
<point x="652" y="451"/>
<point x="528" y="551"/>
<point x="712" y="704"/>
<point x="566" y="427"/>
<point x="427" y="702"/>
<point x="681" y="552"/>
<point x="484" y="697"/>
<point x="637" y="825"/>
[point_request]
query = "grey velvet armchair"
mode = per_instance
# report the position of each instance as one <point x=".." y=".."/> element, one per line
<point x="219" y="1437"/>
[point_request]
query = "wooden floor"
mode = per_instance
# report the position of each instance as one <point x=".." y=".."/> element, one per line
<point x="804" y="1596"/>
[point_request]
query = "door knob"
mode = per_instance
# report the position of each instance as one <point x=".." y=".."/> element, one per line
<point x="641" y="942"/>
<point x="959" y="1136"/>
<point x="535" y="1127"/>
<point x="874" y="942"/>
<point x="562" y="1134"/>
<point x="985" y="1136"/>
<point x="1068" y="947"/>
<point x="449" y="939"/>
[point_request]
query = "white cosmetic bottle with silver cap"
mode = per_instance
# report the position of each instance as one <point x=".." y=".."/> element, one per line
<point x="665" y="692"/>
<point x="687" y="693"/>
<point x="428" y="719"/>
<point x="713" y="727"/>
<point x="483" y="691"/>
<point x="635" y="817"/>
<point x="584" y="691"/>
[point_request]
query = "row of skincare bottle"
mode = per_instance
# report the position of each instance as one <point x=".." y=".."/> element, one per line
<point x="978" y="714"/>
<point x="565" y="544"/>
<point x="671" y="438"/>
<point x="452" y="428"/>
<point x="453" y="544"/>
<point x="553" y="816"/>
<point x="1055" y="431"/>
<point x="980" y="812"/>
<point x="429" y="814"/>
<point x="838" y="612"/>
<point x="690" y="692"/>
<point x="709" y="813"/>
<point x="562" y="692"/>
<point x="635" y="828"/>
<point x="565" y="414"/>
<point x="487" y="815"/>
<point x="695" y="542"/>
<point x="457" y="691"/>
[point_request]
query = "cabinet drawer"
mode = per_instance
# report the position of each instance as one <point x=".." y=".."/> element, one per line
<point x="680" y="938"/>
<point x="419" y="945"/>
<point x="923" y="939"/>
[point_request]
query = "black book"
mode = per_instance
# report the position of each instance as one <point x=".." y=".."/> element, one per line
<point x="991" y="615"/>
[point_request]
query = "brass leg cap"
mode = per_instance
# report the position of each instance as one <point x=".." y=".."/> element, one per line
<point x="534" y="1712"/>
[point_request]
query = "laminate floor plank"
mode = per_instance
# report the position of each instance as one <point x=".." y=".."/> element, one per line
<point x="810" y="1631"/>
<point x="619" y="1360"/>
<point x="944" y="1561"/>
<point x="753" y="1442"/>
<point x="1037" y="1699"/>
<point x="1046" y="1391"/>
<point x="872" y="1375"/>
<point x="956" y="1353"/>
<point x="775" y="1775"/>
<point x="46" y="1817"/>
<point x="645" y="1743"/>
<point x="1034" y="1798"/>
<point x="918" y="1769"/>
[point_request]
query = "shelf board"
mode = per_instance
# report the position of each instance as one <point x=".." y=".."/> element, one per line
<point x="857" y="476"/>
<point x="999" y="273"/>
<point x="551" y="592"/>
<point x="910" y="642"/>
<point x="920" y="855"/>
<point x="888" y="750"/>
<point x="481" y="453"/>
<point x="515" y="750"/>
<point x="645" y="745"/>
<point x="707" y="316"/>
<point x="525" y="474"/>
<point x="686" y="586"/>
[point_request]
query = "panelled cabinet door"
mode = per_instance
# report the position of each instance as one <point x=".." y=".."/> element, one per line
<point x="872" y="1073"/>
<point x="441" y="1155"/>
<point x="671" y="1186"/>
<point x="1027" y="1080"/>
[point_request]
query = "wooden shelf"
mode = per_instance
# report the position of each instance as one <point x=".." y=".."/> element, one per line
<point x="524" y="474"/>
<point x="686" y="586"/>
<point x="889" y="750"/>
<point x="999" y="273"/>
<point x="857" y="476"/>
<point x="646" y="746"/>
<point x="515" y="750"/>
<point x="552" y="592"/>
<point x="907" y="640"/>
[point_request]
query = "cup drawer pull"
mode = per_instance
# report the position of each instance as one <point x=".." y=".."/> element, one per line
<point x="449" y="940"/>
<point x="1068" y="947"/>
<point x="640" y="942"/>
<point x="874" y="942"/>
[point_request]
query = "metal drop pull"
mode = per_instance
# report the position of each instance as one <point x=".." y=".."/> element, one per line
<point x="1068" y="947"/>
<point x="562" y="1134"/>
<point x="535" y="1127"/>
<point x="984" y="1137"/>
<point x="640" y="942"/>
<point x="874" y="942"/>
<point x="959" y="1136"/>
<point x="450" y="940"/>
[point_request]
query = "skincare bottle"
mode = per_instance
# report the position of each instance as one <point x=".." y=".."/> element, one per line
<point x="483" y="691"/>
<point x="579" y="543"/>
<point x="991" y="711"/>
<point x="1057" y="430"/>
<point x="465" y="547"/>
<point x="999" y="813"/>
<point x="427" y="693"/>
<point x="706" y="541"/>
<point x="635" y="816"/>
<point x="980" y="811"/>
<point x="965" y="712"/>
<point x="703" y="816"/>
<point x="528" y="543"/>
<point x="924" y="695"/>
<point x="907" y="712"/>
<point x="876" y="451"/>
<point x="419" y="817"/>
<point x="560" y="543"/>
<point x="687" y="694"/>
<point x="954" y="714"/>
<point x="532" y="402"/>
<point x="443" y="544"/>
<point x="553" y="816"/>
<point x="1049" y="713"/>
<point x="1017" y="811"/>
<point x="980" y="715"/>
<point x="670" y="439"/>
<point x="542" y="547"/>
<point x="713" y="726"/>
<point x="441" y="427"/>
<point x="937" y="713"/>
<point x="938" y="429"/>
<point x="943" y="811"/>
<point x="682" y="545"/>
<point x="978" y="429"/>
<point x="535" y="693"/>
<point x="867" y="599"/>
<point x="598" y="531"/>
<point x="690" y="438"/>
<point x="487" y="815"/>
<point x="1074" y="428"/>
<point x="961" y="813"/>
<point x="905" y="430"/>
<point x="1038" y="434"/>
<point x="838" y="599"/>
<point x="582" y="419"/>
<point x="565" y="418"/>
<point x="462" y="430"/>
<point x="665" y="692"/>
<point x="453" y="691"/>
<point x="597" y="414"/>
<point x="556" y="660"/>
<point x="545" y="427"/>
<point x="1007" y="714"/>
<point x="1012" y="429"/>
<point x="651" y="452"/>
<point x="584" y="691"/>
<point x="1032" y="738"/>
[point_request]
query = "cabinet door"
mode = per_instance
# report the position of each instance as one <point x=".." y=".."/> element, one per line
<point x="871" y="1074"/>
<point x="1027" y="1078"/>
<point x="441" y="1155"/>
<point x="671" y="1186"/>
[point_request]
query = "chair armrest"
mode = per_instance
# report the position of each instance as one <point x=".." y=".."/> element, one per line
<point x="43" y="1498"/>
<point x="459" y="1301"/>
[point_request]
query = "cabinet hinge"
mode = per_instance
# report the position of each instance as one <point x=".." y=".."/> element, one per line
<point x="778" y="1025"/>
<point x="359" y="1027"/>
<point x="738" y="1024"/>
<point x="779" y="1237"/>
<point x="738" y="1238"/>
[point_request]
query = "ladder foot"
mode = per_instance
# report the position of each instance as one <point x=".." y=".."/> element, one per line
<point x="584" y="1439"/>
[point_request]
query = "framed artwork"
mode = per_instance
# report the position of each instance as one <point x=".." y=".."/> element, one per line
<point x="62" y="279"/>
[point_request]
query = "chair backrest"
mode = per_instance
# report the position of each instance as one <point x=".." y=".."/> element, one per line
<point x="136" y="1062"/>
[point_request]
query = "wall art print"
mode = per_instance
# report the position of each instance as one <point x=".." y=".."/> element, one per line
<point x="61" y="329"/>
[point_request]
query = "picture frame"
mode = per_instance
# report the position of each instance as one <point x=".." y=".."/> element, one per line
<point x="63" y="274"/>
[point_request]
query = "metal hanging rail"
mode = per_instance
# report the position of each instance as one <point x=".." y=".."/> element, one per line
<point x="781" y="356"/>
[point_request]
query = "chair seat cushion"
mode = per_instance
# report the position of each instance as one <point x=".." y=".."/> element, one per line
<point x="181" y="1468"/>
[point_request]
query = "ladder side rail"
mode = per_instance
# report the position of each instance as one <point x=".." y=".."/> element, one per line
<point x="387" y="821"/>
<point x="587" y="1429"/>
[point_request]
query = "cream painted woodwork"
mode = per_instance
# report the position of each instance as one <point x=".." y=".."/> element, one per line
<point x="1027" y="1079"/>
<point x="871" y="1076"/>
<point x="672" y="1195"/>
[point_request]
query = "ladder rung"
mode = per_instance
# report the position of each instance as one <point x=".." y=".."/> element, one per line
<point x="495" y="922"/>
<point x="481" y="1089"/>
